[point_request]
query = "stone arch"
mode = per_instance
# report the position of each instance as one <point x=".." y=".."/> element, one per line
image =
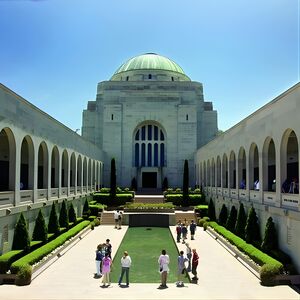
<point x="242" y="168"/>
<point x="269" y="165"/>
<point x="89" y="177"/>
<point x="55" y="167"/>
<point x="64" y="168"/>
<point x="72" y="170"/>
<point x="289" y="157"/>
<point x="208" y="173"/>
<point x="213" y="172"/>
<point x="27" y="164"/>
<point x="43" y="158"/>
<point x="79" y="171"/>
<point x="225" y="171"/>
<point x="232" y="169"/>
<point x="7" y="159"/>
<point x="204" y="174"/>
<point x="85" y="173"/>
<point x="218" y="171"/>
<point x="253" y="167"/>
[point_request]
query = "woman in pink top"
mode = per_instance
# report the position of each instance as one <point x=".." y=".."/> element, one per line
<point x="106" y="264"/>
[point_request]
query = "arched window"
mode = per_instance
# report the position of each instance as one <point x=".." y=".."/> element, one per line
<point x="149" y="146"/>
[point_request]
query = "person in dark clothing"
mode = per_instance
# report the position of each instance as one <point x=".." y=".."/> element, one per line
<point x="193" y="227"/>
<point x="178" y="231"/>
<point x="108" y="248"/>
<point x="99" y="258"/>
<point x="195" y="260"/>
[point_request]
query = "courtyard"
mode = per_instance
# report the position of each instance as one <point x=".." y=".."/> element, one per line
<point x="221" y="276"/>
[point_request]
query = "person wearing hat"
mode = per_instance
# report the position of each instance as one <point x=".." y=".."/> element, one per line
<point x="125" y="263"/>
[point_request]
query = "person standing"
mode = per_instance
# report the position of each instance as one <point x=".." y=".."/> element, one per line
<point x="125" y="264"/>
<point x="181" y="268"/>
<point x="120" y="220"/>
<point x="178" y="231"/>
<point x="106" y="264"/>
<point x="189" y="256"/>
<point x="116" y="218"/>
<point x="195" y="260"/>
<point x="193" y="228"/>
<point x="184" y="232"/>
<point x="163" y="262"/>
<point x="98" y="260"/>
<point x="108" y="247"/>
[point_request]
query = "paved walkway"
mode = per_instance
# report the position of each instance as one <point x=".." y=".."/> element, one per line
<point x="221" y="276"/>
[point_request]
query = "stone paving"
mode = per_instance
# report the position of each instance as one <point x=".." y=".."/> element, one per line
<point x="221" y="276"/>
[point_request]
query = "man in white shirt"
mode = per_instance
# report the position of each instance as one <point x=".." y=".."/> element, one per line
<point x="116" y="217"/>
<point x="125" y="263"/>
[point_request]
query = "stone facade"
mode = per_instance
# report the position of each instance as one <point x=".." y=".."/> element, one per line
<point x="149" y="97"/>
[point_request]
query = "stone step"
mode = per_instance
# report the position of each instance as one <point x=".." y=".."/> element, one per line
<point x="149" y="199"/>
<point x="185" y="217"/>
<point x="107" y="218"/>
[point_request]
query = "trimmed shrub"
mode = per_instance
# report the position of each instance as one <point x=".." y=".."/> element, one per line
<point x="40" y="232"/>
<point x="185" y="185"/>
<point x="230" y="223"/>
<point x="105" y="190"/>
<point x="270" y="241"/>
<point x="113" y="179"/>
<point x="205" y="225"/>
<point x="201" y="222"/>
<point x="97" y="222"/>
<point x="38" y="254"/>
<point x="241" y="222"/>
<point x="252" y="228"/>
<point x="223" y="215"/>
<point x="8" y="258"/>
<point x="63" y="216"/>
<point x="21" y="239"/>
<point x="120" y="199"/>
<point x="86" y="209"/>
<point x="211" y="210"/>
<point x="53" y="225"/>
<point x="72" y="214"/>
<point x="36" y="244"/>
<point x="267" y="274"/>
<point x="23" y="276"/>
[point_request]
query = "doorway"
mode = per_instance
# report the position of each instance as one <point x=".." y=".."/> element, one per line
<point x="149" y="180"/>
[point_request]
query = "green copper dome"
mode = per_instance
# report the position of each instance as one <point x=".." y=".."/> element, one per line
<point x="150" y="61"/>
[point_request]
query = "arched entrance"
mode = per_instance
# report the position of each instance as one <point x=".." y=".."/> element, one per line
<point x="149" y="155"/>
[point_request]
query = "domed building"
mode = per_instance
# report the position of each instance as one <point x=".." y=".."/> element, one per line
<point x="150" y="117"/>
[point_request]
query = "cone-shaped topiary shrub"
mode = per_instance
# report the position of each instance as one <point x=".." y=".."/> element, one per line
<point x="241" y="222"/>
<point x="21" y="239"/>
<point x="53" y="225"/>
<point x="270" y="241"/>
<point x="40" y="229"/>
<point x="72" y="214"/>
<point x="252" y="228"/>
<point x="63" y="216"/>
<point x="185" y="185"/>
<point x="231" y="220"/>
<point x="211" y="210"/>
<point x="223" y="215"/>
<point x="86" y="209"/>
<point x="113" y="179"/>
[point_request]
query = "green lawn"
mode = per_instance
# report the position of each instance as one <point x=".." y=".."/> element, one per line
<point x="144" y="247"/>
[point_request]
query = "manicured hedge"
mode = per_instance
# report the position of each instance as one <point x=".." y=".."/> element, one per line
<point x="96" y="208"/>
<point x="38" y="254"/>
<point x="176" y="199"/>
<point x="104" y="198"/>
<point x="270" y="266"/>
<point x="8" y="258"/>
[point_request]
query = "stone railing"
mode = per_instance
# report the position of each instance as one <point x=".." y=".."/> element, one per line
<point x="270" y="198"/>
<point x="290" y="200"/>
<point x="7" y="197"/>
<point x="26" y="195"/>
<point x="42" y="193"/>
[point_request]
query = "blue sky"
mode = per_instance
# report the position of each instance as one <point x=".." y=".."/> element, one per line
<point x="53" y="53"/>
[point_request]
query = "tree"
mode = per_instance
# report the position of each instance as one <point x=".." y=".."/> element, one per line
<point x="113" y="179"/>
<point x="241" y="222"/>
<point x="53" y="225"/>
<point x="133" y="184"/>
<point x="211" y="210"/>
<point x="86" y="209"/>
<point x="165" y="184"/>
<point x="185" y="188"/>
<point x="223" y="215"/>
<point x="21" y="239"/>
<point x="230" y="223"/>
<point x="40" y="229"/>
<point x="252" y="228"/>
<point x="72" y="214"/>
<point x="63" y="216"/>
<point x="270" y="241"/>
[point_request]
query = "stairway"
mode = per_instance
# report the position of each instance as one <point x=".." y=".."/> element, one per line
<point x="185" y="216"/>
<point x="107" y="218"/>
<point x="149" y="199"/>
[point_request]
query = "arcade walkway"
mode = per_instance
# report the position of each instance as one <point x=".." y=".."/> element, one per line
<point x="221" y="276"/>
